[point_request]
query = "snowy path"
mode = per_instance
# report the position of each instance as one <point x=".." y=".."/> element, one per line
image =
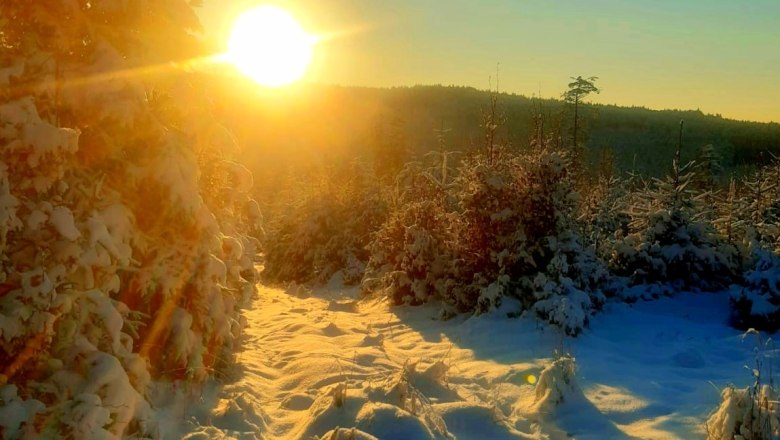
<point x="644" y="372"/>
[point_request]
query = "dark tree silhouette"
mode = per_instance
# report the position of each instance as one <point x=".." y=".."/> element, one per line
<point x="578" y="90"/>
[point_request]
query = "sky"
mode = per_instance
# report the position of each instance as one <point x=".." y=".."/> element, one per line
<point x="719" y="56"/>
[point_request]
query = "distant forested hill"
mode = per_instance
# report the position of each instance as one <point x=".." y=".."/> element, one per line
<point x="329" y="124"/>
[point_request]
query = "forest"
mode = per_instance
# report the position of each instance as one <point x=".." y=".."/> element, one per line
<point x="339" y="124"/>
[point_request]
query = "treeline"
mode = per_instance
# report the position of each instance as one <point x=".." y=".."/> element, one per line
<point x="643" y="138"/>
<point x="327" y="124"/>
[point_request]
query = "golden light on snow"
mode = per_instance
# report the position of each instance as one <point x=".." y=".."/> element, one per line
<point x="531" y="379"/>
<point x="268" y="45"/>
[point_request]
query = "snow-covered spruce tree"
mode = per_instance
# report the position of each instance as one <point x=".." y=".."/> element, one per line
<point x="731" y="218"/>
<point x="602" y="215"/>
<point x="709" y="167"/>
<point x="491" y="192"/>
<point x="762" y="193"/>
<point x="564" y="285"/>
<point x="755" y="303"/>
<point x="324" y="226"/>
<point x="114" y="269"/>
<point x="451" y="242"/>
<point x="510" y="232"/>
<point x="752" y="412"/>
<point x="672" y="243"/>
<point x="411" y="254"/>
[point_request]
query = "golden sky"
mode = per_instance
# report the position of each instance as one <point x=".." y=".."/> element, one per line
<point x="719" y="56"/>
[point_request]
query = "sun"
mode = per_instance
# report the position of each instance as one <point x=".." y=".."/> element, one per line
<point x="268" y="45"/>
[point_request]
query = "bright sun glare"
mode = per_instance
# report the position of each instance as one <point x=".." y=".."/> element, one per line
<point x="268" y="45"/>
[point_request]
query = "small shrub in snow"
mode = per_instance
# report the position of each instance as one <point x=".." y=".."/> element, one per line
<point x="752" y="413"/>
<point x="746" y="414"/>
<point x="401" y="390"/>
<point x="557" y="384"/>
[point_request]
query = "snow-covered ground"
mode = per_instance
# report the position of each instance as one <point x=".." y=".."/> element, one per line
<point x="313" y="362"/>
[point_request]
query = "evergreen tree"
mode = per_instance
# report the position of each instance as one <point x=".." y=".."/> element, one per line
<point x="391" y="149"/>
<point x="709" y="167"/>
<point x="762" y="227"/>
<point x="729" y="220"/>
<point x="118" y="264"/>
<point x="579" y="88"/>
<point x="671" y="242"/>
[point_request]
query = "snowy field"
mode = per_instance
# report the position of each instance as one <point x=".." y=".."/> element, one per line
<point x="314" y="362"/>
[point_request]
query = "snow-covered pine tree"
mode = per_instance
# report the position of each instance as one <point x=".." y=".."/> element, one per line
<point x="709" y="167"/>
<point x="756" y="302"/>
<point x="511" y="233"/>
<point x="762" y="190"/>
<point x="490" y="192"/>
<point x="324" y="226"/>
<point x="411" y="253"/>
<point x="114" y="268"/>
<point x="729" y="218"/>
<point x="602" y="213"/>
<point x="672" y="242"/>
<point x="566" y="281"/>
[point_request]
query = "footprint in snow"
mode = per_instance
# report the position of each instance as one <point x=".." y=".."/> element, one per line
<point x="688" y="359"/>
<point x="297" y="402"/>
<point x="372" y="340"/>
<point x="343" y="306"/>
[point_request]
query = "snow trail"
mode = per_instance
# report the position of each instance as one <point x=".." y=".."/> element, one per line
<point x="314" y="362"/>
